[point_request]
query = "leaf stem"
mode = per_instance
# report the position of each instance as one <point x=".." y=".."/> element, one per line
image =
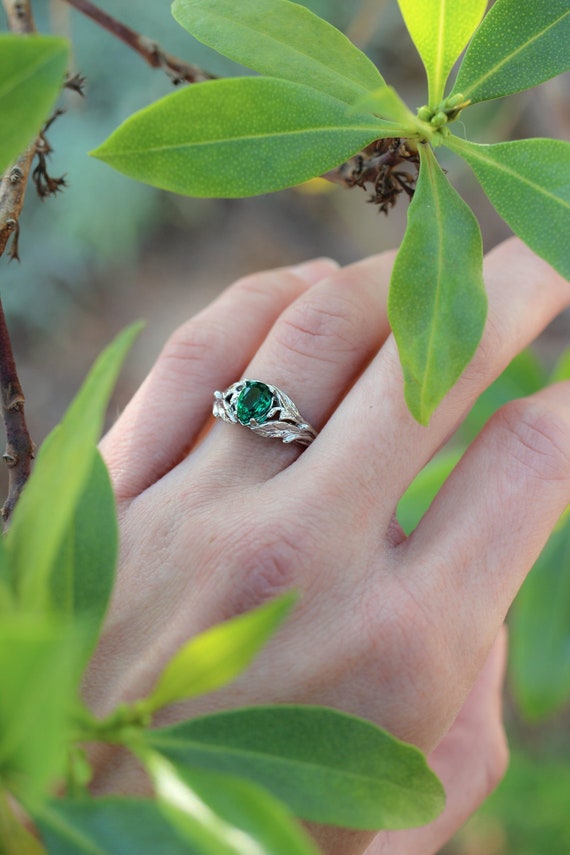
<point x="149" y="50"/>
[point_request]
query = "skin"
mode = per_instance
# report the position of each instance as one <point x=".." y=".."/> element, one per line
<point x="214" y="520"/>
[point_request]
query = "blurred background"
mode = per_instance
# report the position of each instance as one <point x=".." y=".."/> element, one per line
<point x="108" y="251"/>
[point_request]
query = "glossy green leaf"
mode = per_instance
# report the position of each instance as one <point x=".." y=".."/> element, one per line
<point x="238" y="137"/>
<point x="31" y="77"/>
<point x="520" y="44"/>
<point x="112" y="825"/>
<point x="539" y="634"/>
<point x="65" y="461"/>
<point x="225" y="815"/>
<point x="281" y="39"/>
<point x="218" y="655"/>
<point x="82" y="584"/>
<point x="440" y="29"/>
<point x="528" y="182"/>
<point x="327" y="766"/>
<point x="437" y="303"/>
<point x="37" y="672"/>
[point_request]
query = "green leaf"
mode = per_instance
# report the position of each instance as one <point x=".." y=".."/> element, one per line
<point x="440" y="29"/>
<point x="14" y="838"/>
<point x="561" y="370"/>
<point x="218" y="655"/>
<point x="225" y="815"/>
<point x="47" y="505"/>
<point x="31" y="77"/>
<point x="437" y="303"/>
<point x="425" y="487"/>
<point x="520" y="44"/>
<point x="37" y="672"/>
<point x="327" y="766"/>
<point x="82" y="586"/>
<point x="539" y="632"/>
<point x="386" y="102"/>
<point x="238" y="137"/>
<point x="112" y="825"/>
<point x="281" y="39"/>
<point x="528" y="182"/>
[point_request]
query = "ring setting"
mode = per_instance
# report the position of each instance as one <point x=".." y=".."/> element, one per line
<point x="264" y="409"/>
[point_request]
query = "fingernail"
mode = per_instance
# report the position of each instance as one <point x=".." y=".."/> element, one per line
<point x="315" y="270"/>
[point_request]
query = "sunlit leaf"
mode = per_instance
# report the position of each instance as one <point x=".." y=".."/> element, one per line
<point x="81" y="585"/>
<point x="238" y="137"/>
<point x="225" y="815"/>
<point x="386" y="103"/>
<point x="437" y="303"/>
<point x="520" y="44"/>
<point x="37" y="672"/>
<point x="66" y="458"/>
<point x="539" y="636"/>
<point x="424" y="488"/>
<point x="327" y="766"/>
<point x="528" y="182"/>
<point x="440" y="29"/>
<point x="281" y="39"/>
<point x="561" y="370"/>
<point x="218" y="655"/>
<point x="31" y="77"/>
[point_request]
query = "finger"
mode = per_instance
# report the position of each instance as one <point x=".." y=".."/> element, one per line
<point x="316" y="349"/>
<point x="172" y="405"/>
<point x="489" y="522"/>
<point x="470" y="761"/>
<point x="384" y="444"/>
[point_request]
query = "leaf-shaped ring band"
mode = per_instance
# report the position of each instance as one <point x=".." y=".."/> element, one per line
<point x="264" y="409"/>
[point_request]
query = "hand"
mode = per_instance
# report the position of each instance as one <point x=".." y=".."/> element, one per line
<point x="215" y="520"/>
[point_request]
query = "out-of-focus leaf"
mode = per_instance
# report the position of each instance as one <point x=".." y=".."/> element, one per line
<point x="437" y="303"/>
<point x="327" y="766"/>
<point x="14" y="838"/>
<point x="239" y="137"/>
<point x="540" y="631"/>
<point x="281" y="39"/>
<point x="520" y="44"/>
<point x="218" y="655"/>
<point x="112" y="825"/>
<point x="47" y="505"/>
<point x="440" y="29"/>
<point x="562" y="368"/>
<point x="424" y="488"/>
<point x="225" y="815"/>
<point x="31" y="77"/>
<point x="82" y="583"/>
<point x="528" y="182"/>
<point x="38" y="667"/>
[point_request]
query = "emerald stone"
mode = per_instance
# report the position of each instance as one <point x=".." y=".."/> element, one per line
<point x="254" y="402"/>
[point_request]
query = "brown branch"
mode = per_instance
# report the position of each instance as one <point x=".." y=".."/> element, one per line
<point x="19" y="446"/>
<point x="151" y="52"/>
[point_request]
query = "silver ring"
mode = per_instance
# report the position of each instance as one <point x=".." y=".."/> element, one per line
<point x="264" y="409"/>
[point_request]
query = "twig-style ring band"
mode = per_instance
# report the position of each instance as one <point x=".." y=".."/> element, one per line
<point x="264" y="409"/>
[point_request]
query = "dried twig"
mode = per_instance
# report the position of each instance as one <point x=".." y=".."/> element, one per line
<point x="19" y="446"/>
<point x="151" y="52"/>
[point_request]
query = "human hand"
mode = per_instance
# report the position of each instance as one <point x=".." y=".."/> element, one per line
<point x="215" y="520"/>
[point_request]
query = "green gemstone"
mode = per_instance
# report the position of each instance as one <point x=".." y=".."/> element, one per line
<point x="254" y="402"/>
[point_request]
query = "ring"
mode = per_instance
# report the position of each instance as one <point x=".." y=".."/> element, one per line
<point x="264" y="409"/>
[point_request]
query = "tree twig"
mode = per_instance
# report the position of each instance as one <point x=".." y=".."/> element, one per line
<point x="149" y="50"/>
<point x="19" y="446"/>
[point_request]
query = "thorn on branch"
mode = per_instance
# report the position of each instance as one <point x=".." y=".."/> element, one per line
<point x="75" y="82"/>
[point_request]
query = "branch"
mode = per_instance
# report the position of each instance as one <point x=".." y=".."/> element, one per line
<point x="151" y="52"/>
<point x="19" y="446"/>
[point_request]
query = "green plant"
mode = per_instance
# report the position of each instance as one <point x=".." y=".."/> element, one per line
<point x="318" y="102"/>
<point x="218" y="780"/>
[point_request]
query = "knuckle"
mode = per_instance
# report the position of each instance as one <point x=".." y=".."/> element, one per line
<point x="535" y="437"/>
<point x="315" y="329"/>
<point x="190" y="344"/>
